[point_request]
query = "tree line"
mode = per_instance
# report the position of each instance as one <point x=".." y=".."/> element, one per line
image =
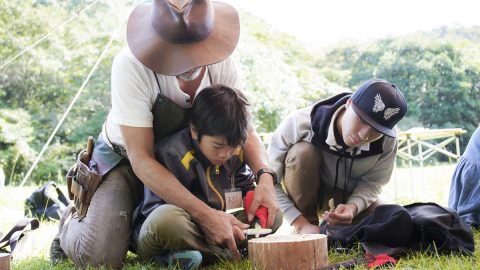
<point x="437" y="70"/>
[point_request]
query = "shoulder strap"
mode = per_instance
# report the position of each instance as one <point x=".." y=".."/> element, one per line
<point x="17" y="232"/>
<point x="158" y="83"/>
<point x="209" y="75"/>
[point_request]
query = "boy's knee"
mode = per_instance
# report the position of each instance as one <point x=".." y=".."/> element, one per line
<point x="165" y="222"/>
<point x="164" y="229"/>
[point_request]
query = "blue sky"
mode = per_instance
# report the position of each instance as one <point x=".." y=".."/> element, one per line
<point x="322" y="22"/>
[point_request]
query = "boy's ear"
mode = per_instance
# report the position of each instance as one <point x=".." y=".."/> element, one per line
<point x="193" y="131"/>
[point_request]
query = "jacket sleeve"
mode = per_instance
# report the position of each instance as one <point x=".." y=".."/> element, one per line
<point x="370" y="185"/>
<point x="293" y="129"/>
<point x="170" y="152"/>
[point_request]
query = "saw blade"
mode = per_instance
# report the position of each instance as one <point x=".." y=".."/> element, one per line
<point x="257" y="231"/>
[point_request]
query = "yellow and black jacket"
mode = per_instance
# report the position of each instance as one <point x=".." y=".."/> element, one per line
<point x="182" y="157"/>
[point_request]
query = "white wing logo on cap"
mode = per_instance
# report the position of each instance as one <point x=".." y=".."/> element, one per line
<point x="389" y="112"/>
<point x="379" y="105"/>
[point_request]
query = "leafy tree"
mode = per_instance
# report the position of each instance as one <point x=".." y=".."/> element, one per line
<point x="437" y="70"/>
<point x="279" y="74"/>
<point x="16" y="134"/>
<point x="43" y="81"/>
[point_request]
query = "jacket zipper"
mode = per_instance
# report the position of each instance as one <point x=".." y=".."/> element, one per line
<point x="210" y="183"/>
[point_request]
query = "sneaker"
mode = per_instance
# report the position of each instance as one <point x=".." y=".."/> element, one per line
<point x="243" y="253"/>
<point x="57" y="254"/>
<point x="182" y="259"/>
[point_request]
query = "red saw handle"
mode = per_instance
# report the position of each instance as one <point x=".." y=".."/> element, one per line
<point x="262" y="211"/>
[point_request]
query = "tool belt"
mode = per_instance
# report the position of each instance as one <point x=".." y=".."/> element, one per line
<point x="83" y="180"/>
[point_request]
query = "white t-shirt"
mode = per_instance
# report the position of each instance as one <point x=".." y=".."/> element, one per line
<point x="134" y="90"/>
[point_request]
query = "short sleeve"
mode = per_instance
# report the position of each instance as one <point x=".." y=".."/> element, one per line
<point x="131" y="93"/>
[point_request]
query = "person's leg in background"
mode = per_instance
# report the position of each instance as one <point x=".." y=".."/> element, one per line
<point x="302" y="178"/>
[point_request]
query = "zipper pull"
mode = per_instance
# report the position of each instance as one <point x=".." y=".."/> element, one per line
<point x="217" y="169"/>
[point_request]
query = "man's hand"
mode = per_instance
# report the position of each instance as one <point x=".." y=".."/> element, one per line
<point x="264" y="196"/>
<point x="222" y="229"/>
<point x="256" y="158"/>
<point x="303" y="226"/>
<point x="343" y="214"/>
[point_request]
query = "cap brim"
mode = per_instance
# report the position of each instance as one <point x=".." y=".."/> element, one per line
<point x="384" y="130"/>
<point x="172" y="59"/>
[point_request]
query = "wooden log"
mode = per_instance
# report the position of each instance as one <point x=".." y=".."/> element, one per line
<point x="289" y="252"/>
<point x="5" y="261"/>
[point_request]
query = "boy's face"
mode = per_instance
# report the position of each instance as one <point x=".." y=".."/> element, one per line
<point x="354" y="130"/>
<point x="214" y="148"/>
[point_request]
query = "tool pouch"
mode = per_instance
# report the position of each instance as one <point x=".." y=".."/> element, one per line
<point x="82" y="181"/>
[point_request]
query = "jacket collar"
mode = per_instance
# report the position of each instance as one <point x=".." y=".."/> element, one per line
<point x="332" y="140"/>
<point x="323" y="116"/>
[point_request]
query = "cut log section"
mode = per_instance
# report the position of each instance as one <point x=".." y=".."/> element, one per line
<point x="289" y="252"/>
<point x="5" y="261"/>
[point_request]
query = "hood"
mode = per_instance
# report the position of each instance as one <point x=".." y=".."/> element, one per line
<point x="321" y="116"/>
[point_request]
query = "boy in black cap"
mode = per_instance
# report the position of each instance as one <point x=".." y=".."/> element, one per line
<point x="344" y="148"/>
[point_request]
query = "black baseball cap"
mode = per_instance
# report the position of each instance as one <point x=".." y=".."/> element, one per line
<point x="380" y="104"/>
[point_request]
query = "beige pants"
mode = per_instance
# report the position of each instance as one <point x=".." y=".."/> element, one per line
<point x="304" y="187"/>
<point x="170" y="228"/>
<point x="103" y="236"/>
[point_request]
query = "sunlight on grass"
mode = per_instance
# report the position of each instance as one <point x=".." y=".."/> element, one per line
<point x="426" y="184"/>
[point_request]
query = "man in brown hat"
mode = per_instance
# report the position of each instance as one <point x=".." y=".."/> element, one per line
<point x="175" y="48"/>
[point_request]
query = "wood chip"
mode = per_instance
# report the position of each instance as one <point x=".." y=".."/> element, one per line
<point x="331" y="204"/>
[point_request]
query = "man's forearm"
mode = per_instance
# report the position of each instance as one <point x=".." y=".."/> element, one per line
<point x="256" y="158"/>
<point x="255" y="152"/>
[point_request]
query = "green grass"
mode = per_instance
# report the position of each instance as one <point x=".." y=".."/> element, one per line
<point x="407" y="185"/>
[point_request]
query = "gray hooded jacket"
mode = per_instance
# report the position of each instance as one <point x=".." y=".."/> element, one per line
<point x="373" y="162"/>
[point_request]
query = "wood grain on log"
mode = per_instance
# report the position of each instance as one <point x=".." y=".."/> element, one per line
<point x="5" y="261"/>
<point x="289" y="252"/>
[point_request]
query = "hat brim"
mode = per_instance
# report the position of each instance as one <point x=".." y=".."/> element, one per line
<point x="384" y="130"/>
<point x="172" y="59"/>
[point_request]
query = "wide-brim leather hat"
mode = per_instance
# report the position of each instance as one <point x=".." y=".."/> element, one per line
<point x="174" y="36"/>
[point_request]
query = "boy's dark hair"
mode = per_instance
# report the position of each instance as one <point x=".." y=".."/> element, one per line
<point x="219" y="110"/>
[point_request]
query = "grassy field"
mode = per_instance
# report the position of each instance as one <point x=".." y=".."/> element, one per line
<point x="428" y="184"/>
<point x="419" y="184"/>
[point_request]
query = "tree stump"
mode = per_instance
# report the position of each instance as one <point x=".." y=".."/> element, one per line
<point x="5" y="261"/>
<point x="285" y="252"/>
